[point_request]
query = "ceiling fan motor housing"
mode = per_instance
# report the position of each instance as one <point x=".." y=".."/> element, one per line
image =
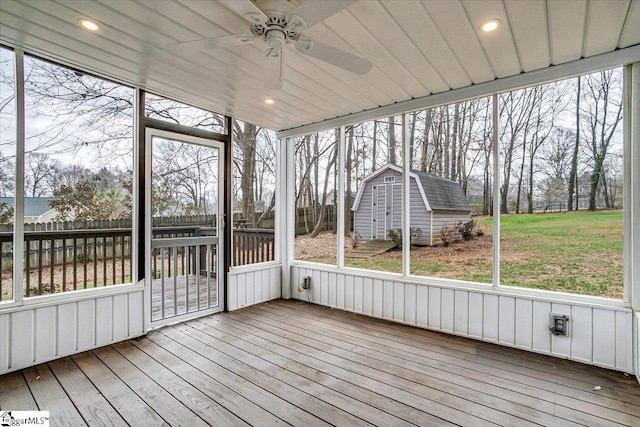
<point x="280" y="26"/>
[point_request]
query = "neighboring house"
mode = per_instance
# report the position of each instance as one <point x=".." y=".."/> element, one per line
<point x="36" y="209"/>
<point x="435" y="202"/>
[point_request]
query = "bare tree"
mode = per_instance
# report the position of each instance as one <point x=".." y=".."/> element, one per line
<point x="601" y="113"/>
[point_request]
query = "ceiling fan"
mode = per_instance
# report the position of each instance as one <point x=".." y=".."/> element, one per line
<point x="278" y="23"/>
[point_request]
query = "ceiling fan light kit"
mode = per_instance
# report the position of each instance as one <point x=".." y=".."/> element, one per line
<point x="276" y="24"/>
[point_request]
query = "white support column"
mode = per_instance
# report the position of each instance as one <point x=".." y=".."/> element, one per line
<point x="137" y="229"/>
<point x="632" y="203"/>
<point x="286" y="173"/>
<point x="633" y="208"/>
<point x="18" y="205"/>
<point x="340" y="201"/>
<point x="406" y="195"/>
<point x="496" y="193"/>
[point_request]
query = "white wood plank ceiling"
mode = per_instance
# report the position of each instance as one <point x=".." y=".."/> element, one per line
<point x="417" y="48"/>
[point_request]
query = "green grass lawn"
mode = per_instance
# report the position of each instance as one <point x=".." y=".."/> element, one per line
<point x="577" y="252"/>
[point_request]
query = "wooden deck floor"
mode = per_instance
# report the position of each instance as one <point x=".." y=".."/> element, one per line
<point x="288" y="362"/>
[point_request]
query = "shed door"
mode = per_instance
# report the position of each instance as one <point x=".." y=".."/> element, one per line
<point x="380" y="209"/>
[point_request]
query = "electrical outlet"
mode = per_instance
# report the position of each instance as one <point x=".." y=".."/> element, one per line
<point x="306" y="282"/>
<point x="559" y="324"/>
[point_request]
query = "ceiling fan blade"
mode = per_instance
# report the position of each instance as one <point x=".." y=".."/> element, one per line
<point x="315" y="11"/>
<point x="273" y="68"/>
<point x="246" y="9"/>
<point x="211" y="43"/>
<point x="337" y="57"/>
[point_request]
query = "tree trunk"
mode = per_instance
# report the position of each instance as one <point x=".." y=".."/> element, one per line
<point x="573" y="175"/>
<point x="348" y="183"/>
<point x="323" y="206"/>
<point x="392" y="141"/>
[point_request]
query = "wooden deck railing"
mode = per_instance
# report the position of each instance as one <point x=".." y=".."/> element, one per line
<point x="252" y="245"/>
<point x="63" y="260"/>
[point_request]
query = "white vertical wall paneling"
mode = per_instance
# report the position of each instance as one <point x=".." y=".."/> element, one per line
<point x="422" y="306"/>
<point x="599" y="335"/>
<point x="104" y="311"/>
<point x="624" y="339"/>
<point x="120" y="330"/>
<point x="67" y="315"/>
<point x="476" y="314"/>
<point x="491" y="317"/>
<point x="561" y="345"/>
<point x="461" y="321"/>
<point x="249" y="285"/>
<point x="447" y="310"/>
<point x="398" y="302"/>
<point x="232" y="291"/>
<point x="316" y="285"/>
<point x="240" y="289"/>
<point x="523" y="322"/>
<point x="506" y="326"/>
<point x="86" y="324"/>
<point x="36" y="334"/>
<point x="135" y="320"/>
<point x="410" y="294"/>
<point x="348" y="293"/>
<point x="434" y="307"/>
<point x="358" y="294"/>
<point x="604" y="350"/>
<point x="387" y="300"/>
<point x="45" y="333"/>
<point x="275" y="288"/>
<point x="333" y="287"/>
<point x="378" y="297"/>
<point x="324" y="291"/>
<point x="5" y="344"/>
<point x="637" y="340"/>
<point x="340" y="291"/>
<point x="541" y="336"/>
<point x="367" y="296"/>
<point x="582" y="341"/>
<point x="22" y="338"/>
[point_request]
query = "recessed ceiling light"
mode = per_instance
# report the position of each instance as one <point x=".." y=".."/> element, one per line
<point x="269" y="101"/>
<point x="490" y="25"/>
<point x="88" y="24"/>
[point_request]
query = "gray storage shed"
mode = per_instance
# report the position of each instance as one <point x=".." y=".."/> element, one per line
<point x="435" y="202"/>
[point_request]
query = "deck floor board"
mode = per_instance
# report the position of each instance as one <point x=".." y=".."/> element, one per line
<point x="294" y="363"/>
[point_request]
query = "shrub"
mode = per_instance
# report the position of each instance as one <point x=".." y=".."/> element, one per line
<point x="446" y="235"/>
<point x="479" y="232"/>
<point x="396" y="235"/>
<point x="465" y="229"/>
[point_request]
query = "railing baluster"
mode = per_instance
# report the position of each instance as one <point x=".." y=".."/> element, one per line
<point x="84" y="263"/>
<point x="104" y="261"/>
<point x="175" y="280"/>
<point x="95" y="262"/>
<point x="75" y="264"/>
<point x="113" y="260"/>
<point x="122" y="258"/>
<point x="52" y="251"/>
<point x="40" y="267"/>
<point x="27" y="266"/>
<point x="64" y="265"/>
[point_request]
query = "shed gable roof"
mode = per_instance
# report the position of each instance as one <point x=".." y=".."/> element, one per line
<point x="437" y="192"/>
<point x="442" y="193"/>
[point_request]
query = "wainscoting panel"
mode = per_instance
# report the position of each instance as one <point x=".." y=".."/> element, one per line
<point x="256" y="283"/>
<point x="599" y="334"/>
<point x="31" y="334"/>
